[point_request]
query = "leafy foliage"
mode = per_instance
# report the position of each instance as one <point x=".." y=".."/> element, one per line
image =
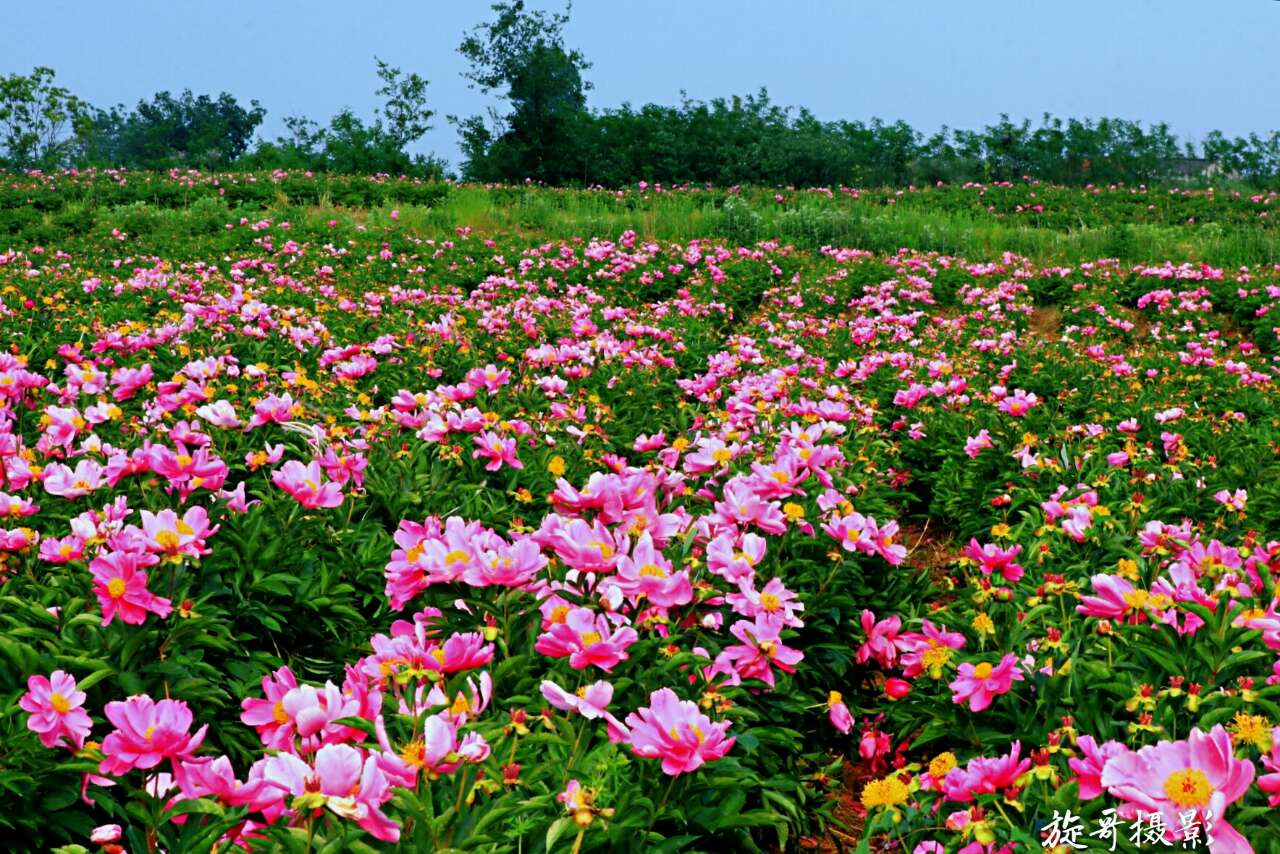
<point x="522" y="56"/>
<point x="168" y="131"/>
<point x="37" y="119"/>
<point x="350" y="146"/>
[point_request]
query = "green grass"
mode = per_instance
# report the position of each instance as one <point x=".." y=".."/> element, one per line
<point x="1077" y="226"/>
<point x="884" y="229"/>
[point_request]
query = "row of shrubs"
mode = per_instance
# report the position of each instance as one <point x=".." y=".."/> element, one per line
<point x="164" y="190"/>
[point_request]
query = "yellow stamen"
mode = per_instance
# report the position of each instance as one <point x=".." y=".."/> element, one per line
<point x="1188" y="787"/>
<point x="652" y="570"/>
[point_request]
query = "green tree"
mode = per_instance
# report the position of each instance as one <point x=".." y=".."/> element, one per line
<point x="352" y="146"/>
<point x="37" y="119"/>
<point x="167" y="131"/>
<point x="521" y="57"/>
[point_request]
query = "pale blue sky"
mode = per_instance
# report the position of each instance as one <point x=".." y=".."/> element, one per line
<point x="1197" y="64"/>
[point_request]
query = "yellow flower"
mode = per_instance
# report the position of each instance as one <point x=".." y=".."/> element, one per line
<point x="1144" y="697"/>
<point x="982" y="625"/>
<point x="556" y="466"/>
<point x="1251" y="729"/>
<point x="886" y="792"/>
<point x="942" y="765"/>
<point x="935" y="658"/>
<point x="1000" y="531"/>
<point x="793" y="511"/>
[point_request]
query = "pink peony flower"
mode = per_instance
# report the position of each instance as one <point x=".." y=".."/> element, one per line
<point x="734" y="563"/>
<point x="759" y="650"/>
<point x="1234" y="500"/>
<point x="188" y="471"/>
<point x="647" y="573"/>
<point x="1270" y="783"/>
<point x="202" y="778"/>
<point x="1093" y="758"/>
<point x="980" y="684"/>
<point x="676" y="732"/>
<point x="310" y="712"/>
<point x="496" y="450"/>
<point x="344" y="467"/>
<point x="1200" y="774"/>
<point x="62" y="550"/>
<point x="591" y="702"/>
<point x="307" y="485"/>
<point x="586" y="638"/>
<point x="929" y="649"/>
<point x="882" y="639"/>
<point x="1018" y="403"/>
<point x="268" y="716"/>
<point x="975" y="445"/>
<point x="104" y="833"/>
<point x="504" y="565"/>
<point x="858" y="533"/>
<point x="985" y="776"/>
<point x="148" y="732"/>
<point x="236" y="500"/>
<point x="272" y="409"/>
<point x="220" y="413"/>
<point x="742" y="505"/>
<point x="173" y="538"/>
<point x="69" y="483"/>
<point x="121" y="586"/>
<point x="341" y="778"/>
<point x="838" y="713"/>
<point x="1115" y="598"/>
<point x="774" y="600"/>
<point x="54" y="706"/>
<point x="991" y="558"/>
<point x="1078" y="520"/>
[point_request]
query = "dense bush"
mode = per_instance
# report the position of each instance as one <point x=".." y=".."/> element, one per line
<point x="305" y="511"/>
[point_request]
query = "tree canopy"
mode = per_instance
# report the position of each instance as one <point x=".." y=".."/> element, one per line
<point x="542" y="129"/>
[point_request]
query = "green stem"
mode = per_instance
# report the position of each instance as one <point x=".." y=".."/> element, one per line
<point x="457" y="806"/>
<point x="1004" y="814"/>
<point x="830" y="577"/>
<point x="573" y="754"/>
<point x="429" y="802"/>
<point x="658" y="810"/>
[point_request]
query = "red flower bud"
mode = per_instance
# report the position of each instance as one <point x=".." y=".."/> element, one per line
<point x="896" y="688"/>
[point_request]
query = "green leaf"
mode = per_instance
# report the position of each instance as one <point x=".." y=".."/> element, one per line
<point x="557" y="829"/>
<point x="94" y="678"/>
<point x="197" y="806"/>
<point x="365" y="726"/>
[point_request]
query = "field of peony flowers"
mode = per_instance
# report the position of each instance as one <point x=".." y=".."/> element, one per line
<point x="334" y="534"/>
